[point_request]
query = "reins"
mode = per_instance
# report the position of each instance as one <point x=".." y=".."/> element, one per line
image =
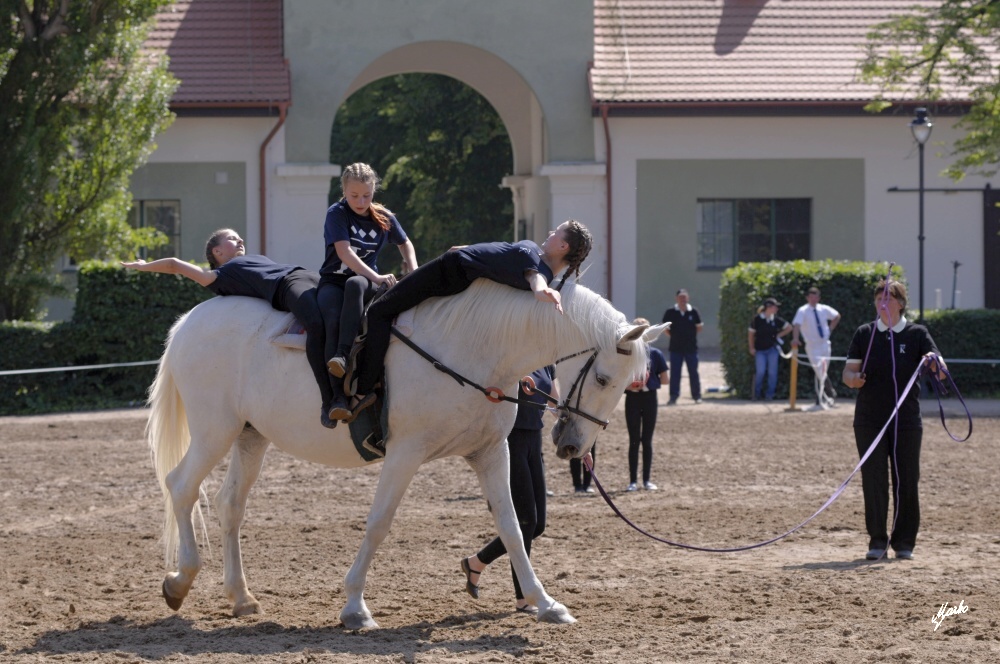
<point x="496" y="395"/>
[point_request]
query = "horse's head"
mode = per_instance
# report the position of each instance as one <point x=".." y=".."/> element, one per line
<point x="593" y="382"/>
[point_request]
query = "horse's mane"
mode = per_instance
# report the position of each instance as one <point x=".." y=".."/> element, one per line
<point x="488" y="312"/>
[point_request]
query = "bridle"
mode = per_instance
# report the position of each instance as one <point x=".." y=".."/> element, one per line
<point x="496" y="395"/>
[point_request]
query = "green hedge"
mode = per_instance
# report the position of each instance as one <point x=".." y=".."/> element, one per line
<point x="120" y="316"/>
<point x="847" y="287"/>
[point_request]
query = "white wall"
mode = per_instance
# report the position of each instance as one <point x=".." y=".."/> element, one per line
<point x="953" y="222"/>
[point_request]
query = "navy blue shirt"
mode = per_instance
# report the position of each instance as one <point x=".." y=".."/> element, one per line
<point x="252" y="276"/>
<point x="366" y="237"/>
<point x="683" y="329"/>
<point x="766" y="336"/>
<point x="504" y="262"/>
<point x="655" y="364"/>
<point x="528" y="417"/>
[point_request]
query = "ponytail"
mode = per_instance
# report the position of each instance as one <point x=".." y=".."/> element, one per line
<point x="365" y="174"/>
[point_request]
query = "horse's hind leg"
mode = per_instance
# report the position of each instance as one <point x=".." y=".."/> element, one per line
<point x="184" y="485"/>
<point x="231" y="503"/>
<point x="397" y="472"/>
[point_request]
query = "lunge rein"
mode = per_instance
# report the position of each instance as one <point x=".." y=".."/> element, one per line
<point x="496" y="395"/>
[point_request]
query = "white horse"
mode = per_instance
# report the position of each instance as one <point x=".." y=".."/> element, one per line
<point x="221" y="381"/>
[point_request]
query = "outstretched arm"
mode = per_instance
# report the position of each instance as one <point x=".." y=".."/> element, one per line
<point x="174" y="266"/>
<point x="409" y="255"/>
<point x="541" y="289"/>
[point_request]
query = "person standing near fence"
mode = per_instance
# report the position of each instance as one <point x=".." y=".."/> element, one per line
<point x="766" y="328"/>
<point x="878" y="368"/>
<point x="640" y="415"/>
<point x="815" y="322"/>
<point x="685" y="324"/>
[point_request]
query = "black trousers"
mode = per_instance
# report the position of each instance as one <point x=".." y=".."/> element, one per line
<point x="342" y="302"/>
<point x="581" y="476"/>
<point x="527" y="489"/>
<point x="297" y="294"/>
<point x="438" y="278"/>
<point x="640" y="419"/>
<point x="875" y="484"/>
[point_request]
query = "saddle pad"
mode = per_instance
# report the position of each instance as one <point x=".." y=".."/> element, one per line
<point x="289" y="333"/>
<point x="369" y="427"/>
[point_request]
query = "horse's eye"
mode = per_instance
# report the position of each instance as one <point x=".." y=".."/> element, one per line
<point x="601" y="380"/>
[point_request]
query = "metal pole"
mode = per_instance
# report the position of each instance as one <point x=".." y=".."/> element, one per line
<point x="954" y="282"/>
<point x="921" y="236"/>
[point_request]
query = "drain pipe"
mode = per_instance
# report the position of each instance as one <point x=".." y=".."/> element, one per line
<point x="607" y="184"/>
<point x="282" y="114"/>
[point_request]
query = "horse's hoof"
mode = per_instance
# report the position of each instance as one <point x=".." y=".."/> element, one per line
<point x="357" y="621"/>
<point x="249" y="608"/>
<point x="557" y="615"/>
<point x="173" y="602"/>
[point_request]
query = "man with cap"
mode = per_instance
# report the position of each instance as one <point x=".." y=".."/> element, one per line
<point x="815" y="323"/>
<point x="685" y="324"/>
<point x="763" y="334"/>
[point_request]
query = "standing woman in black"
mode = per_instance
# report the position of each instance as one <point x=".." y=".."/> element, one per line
<point x="641" y="404"/>
<point x="880" y="362"/>
<point x="527" y="485"/>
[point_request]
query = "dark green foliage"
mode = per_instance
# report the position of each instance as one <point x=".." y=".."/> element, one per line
<point x="121" y="316"/>
<point x="80" y="106"/>
<point x="441" y="150"/>
<point x="847" y="287"/>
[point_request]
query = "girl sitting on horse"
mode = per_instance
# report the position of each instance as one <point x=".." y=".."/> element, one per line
<point x="286" y="287"/>
<point x="355" y="231"/>
<point x="523" y="265"/>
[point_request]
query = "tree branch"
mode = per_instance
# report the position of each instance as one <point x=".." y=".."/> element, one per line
<point x="57" y="24"/>
<point x="26" y="20"/>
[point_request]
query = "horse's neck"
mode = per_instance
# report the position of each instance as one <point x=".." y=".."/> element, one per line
<point x="517" y="344"/>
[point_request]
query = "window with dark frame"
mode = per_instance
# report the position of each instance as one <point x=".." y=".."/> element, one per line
<point x="165" y="216"/>
<point x="750" y="230"/>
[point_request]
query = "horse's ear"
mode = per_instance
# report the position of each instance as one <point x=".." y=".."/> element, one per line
<point x="632" y="333"/>
<point x="654" y="331"/>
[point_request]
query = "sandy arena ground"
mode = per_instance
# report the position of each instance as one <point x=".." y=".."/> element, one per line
<point x="82" y="566"/>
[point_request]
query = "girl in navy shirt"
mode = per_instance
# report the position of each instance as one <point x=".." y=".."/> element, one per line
<point x="354" y="233"/>
<point x="284" y="287"/>
<point x="522" y="265"/>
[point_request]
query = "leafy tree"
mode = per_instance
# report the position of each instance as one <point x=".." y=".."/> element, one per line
<point x="949" y="47"/>
<point x="441" y="150"/>
<point x="80" y="105"/>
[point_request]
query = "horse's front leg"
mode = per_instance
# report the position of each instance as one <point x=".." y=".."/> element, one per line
<point x="397" y="472"/>
<point x="493" y="470"/>
<point x="231" y="503"/>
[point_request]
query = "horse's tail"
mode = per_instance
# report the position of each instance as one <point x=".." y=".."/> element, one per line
<point x="169" y="438"/>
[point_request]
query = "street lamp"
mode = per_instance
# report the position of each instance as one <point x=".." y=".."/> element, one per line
<point x="921" y="126"/>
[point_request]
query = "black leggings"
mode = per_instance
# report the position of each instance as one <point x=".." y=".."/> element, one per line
<point x="581" y="476"/>
<point x="875" y="485"/>
<point x="297" y="294"/>
<point x="527" y="489"/>
<point x="440" y="277"/>
<point x="640" y="418"/>
<point x="342" y="302"/>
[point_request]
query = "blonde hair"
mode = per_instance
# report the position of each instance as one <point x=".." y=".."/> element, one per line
<point x="365" y="174"/>
<point x="640" y="321"/>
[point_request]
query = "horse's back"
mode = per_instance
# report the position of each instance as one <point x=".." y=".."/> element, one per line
<point x="229" y="374"/>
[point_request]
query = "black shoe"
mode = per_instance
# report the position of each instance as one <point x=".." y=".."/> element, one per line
<point x="324" y="418"/>
<point x="339" y="410"/>
<point x="337" y="366"/>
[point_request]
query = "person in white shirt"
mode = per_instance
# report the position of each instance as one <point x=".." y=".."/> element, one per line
<point x="815" y="322"/>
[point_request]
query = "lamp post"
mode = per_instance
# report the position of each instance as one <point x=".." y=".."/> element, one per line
<point x="920" y="127"/>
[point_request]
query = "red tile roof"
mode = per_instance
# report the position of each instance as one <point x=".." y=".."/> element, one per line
<point x="777" y="51"/>
<point x="225" y="52"/>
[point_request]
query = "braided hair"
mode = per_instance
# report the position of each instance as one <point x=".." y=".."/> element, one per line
<point x="580" y="242"/>
<point x="365" y="174"/>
